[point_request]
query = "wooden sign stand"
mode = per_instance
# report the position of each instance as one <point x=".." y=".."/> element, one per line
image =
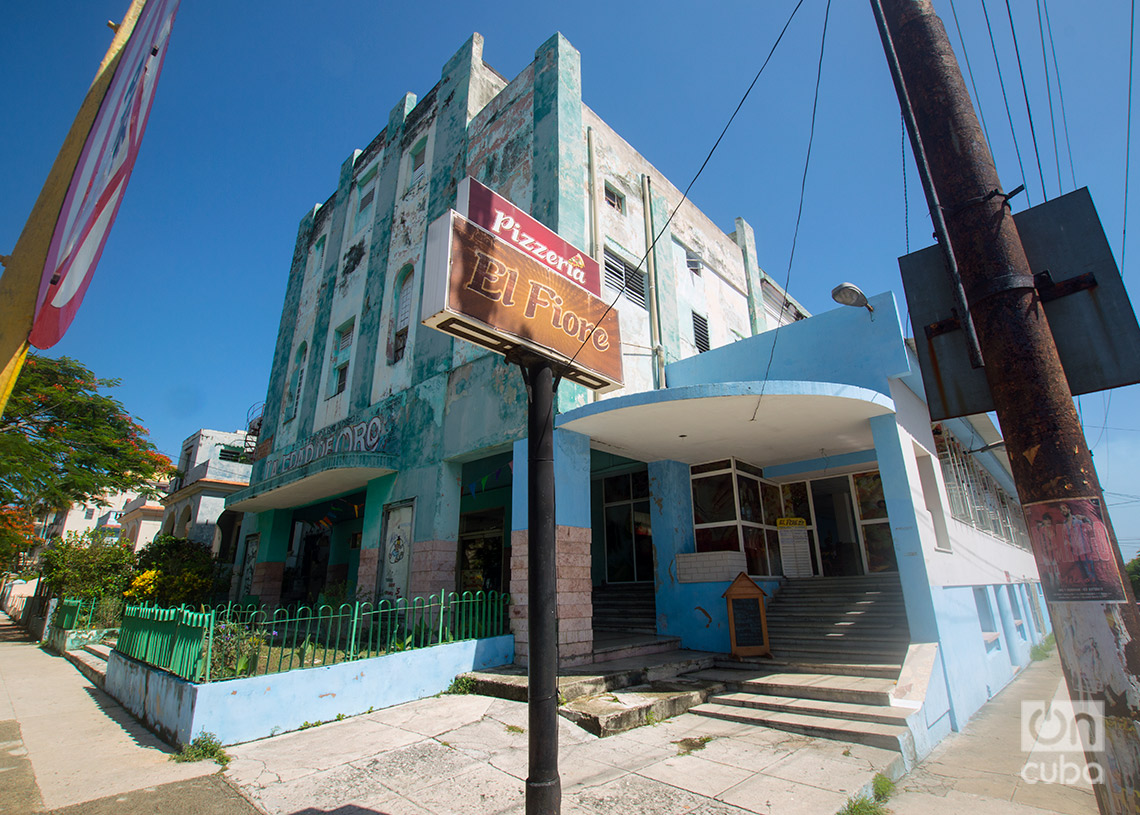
<point x="747" y="621"/>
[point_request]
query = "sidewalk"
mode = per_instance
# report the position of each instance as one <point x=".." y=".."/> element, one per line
<point x="979" y="769"/>
<point x="67" y="747"/>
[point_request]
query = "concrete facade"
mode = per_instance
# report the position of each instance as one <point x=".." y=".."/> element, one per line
<point x="393" y="457"/>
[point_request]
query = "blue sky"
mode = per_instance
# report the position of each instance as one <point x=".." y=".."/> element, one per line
<point x="259" y="104"/>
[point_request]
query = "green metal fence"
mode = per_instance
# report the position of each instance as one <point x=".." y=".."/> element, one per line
<point x="236" y="640"/>
<point x="76" y="614"/>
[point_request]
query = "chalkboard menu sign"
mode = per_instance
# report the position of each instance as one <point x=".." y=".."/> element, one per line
<point x="747" y="624"/>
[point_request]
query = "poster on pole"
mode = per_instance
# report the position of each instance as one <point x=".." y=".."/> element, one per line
<point x="795" y="551"/>
<point x="101" y="174"/>
<point x="1074" y="551"/>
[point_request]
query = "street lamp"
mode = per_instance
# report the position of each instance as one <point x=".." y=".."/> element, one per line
<point x="848" y="294"/>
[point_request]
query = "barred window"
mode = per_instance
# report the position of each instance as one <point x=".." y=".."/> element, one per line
<point x="975" y="497"/>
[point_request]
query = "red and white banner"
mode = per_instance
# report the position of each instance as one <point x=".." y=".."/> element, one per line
<point x="503" y="219"/>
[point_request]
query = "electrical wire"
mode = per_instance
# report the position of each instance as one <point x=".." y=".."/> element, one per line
<point x="906" y="200"/>
<point x="1049" y="94"/>
<point x="800" y="209"/>
<point x="970" y="73"/>
<point x="1060" y="93"/>
<point x="1127" y="136"/>
<point x="685" y="194"/>
<point x="1025" y="94"/>
<point x="1005" y="98"/>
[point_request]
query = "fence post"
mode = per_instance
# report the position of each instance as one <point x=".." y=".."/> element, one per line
<point x="354" y="631"/>
<point x="210" y="642"/>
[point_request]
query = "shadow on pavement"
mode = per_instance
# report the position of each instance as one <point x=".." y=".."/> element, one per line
<point x="130" y="725"/>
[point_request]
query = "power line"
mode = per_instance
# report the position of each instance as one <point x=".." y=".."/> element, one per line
<point x="970" y="73"/>
<point x="1025" y="94"/>
<point x="1005" y="98"/>
<point x="685" y="194"/>
<point x="1049" y="94"/>
<point x="1128" y="133"/>
<point x="800" y="209"/>
<point x="1060" y="93"/>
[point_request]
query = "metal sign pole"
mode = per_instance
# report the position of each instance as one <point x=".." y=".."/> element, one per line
<point x="543" y="786"/>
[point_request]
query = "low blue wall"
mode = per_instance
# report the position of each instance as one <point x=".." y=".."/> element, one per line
<point x="238" y="710"/>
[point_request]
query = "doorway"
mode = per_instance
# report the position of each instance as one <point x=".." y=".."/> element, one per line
<point x="481" y="545"/>
<point x="836" y="530"/>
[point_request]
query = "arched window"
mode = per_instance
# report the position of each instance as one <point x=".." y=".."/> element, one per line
<point x="403" y="311"/>
<point x="296" y="382"/>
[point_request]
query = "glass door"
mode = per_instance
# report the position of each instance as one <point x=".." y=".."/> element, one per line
<point x="629" y="538"/>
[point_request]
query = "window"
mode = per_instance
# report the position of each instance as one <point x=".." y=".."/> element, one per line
<point x="975" y="498"/>
<point x="341" y="354"/>
<point x="623" y="277"/>
<point x="419" y="153"/>
<point x="293" y="394"/>
<point x="700" y="333"/>
<point x="89" y="514"/>
<point x="230" y="453"/>
<point x="693" y="261"/>
<point x="615" y="199"/>
<point x="366" y="188"/>
<point x="735" y="509"/>
<point x="319" y="254"/>
<point x="403" y="316"/>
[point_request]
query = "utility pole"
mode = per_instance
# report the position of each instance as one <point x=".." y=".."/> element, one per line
<point x="1098" y="639"/>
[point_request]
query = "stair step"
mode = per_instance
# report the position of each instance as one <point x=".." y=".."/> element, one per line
<point x="813" y="665"/>
<point x="859" y="690"/>
<point x="885" y="736"/>
<point x="99" y="650"/>
<point x="831" y="710"/>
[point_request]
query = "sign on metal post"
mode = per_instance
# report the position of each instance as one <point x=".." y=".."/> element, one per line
<point x="482" y="289"/>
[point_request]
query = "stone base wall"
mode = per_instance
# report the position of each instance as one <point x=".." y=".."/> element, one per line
<point x="267" y="579"/>
<point x="575" y="606"/>
<point x="366" y="574"/>
<point x="434" y="568"/>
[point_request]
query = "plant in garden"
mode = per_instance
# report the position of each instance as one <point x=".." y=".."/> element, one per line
<point x="174" y="571"/>
<point x="235" y="650"/>
<point x="63" y="442"/>
<point x="87" y="565"/>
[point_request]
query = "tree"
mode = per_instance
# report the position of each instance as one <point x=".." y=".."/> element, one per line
<point x="17" y="535"/>
<point x="63" y="442"/>
<point x="88" y="566"/>
<point x="1132" y="568"/>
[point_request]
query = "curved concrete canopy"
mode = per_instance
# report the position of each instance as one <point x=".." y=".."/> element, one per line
<point x="324" y="478"/>
<point x="791" y="421"/>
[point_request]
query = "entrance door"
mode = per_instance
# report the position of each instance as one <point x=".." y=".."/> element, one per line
<point x="629" y="538"/>
<point x="481" y="551"/>
<point x="395" y="552"/>
<point x="835" y="527"/>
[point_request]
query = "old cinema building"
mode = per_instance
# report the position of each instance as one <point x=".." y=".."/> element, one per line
<point x="392" y="456"/>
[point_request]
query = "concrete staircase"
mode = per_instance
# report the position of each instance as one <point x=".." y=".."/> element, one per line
<point x="837" y="648"/>
<point x="625" y="607"/>
<point x="91" y="660"/>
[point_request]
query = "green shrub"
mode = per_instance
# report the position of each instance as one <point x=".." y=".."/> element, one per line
<point x="1042" y="649"/>
<point x="174" y="572"/>
<point x="204" y="746"/>
<point x="862" y="805"/>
